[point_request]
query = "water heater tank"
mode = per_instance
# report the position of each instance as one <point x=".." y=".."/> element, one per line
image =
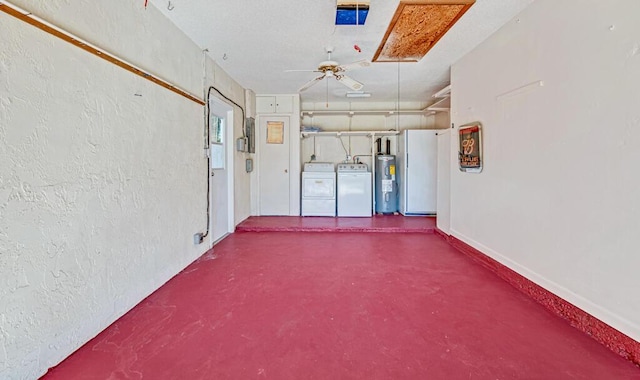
<point x="386" y="184"/>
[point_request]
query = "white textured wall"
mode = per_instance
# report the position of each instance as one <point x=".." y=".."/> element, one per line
<point x="100" y="190"/>
<point x="558" y="198"/>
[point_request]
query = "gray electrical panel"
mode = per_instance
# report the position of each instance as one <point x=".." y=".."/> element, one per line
<point x="250" y="132"/>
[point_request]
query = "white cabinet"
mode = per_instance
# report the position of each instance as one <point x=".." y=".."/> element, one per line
<point x="274" y="104"/>
<point x="277" y="164"/>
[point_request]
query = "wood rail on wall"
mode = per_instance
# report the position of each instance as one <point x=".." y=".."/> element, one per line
<point x="98" y="52"/>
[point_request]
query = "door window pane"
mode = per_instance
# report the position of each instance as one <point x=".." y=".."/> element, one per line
<point x="216" y="135"/>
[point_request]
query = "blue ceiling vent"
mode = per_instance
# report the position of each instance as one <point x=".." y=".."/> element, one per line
<point x="351" y="14"/>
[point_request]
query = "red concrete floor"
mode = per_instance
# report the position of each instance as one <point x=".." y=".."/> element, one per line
<point x="296" y="305"/>
<point x="377" y="223"/>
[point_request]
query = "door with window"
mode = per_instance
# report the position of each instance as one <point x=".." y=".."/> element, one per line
<point x="274" y="165"/>
<point x="220" y="183"/>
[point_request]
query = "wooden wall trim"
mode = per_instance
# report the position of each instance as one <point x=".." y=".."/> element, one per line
<point x="98" y="52"/>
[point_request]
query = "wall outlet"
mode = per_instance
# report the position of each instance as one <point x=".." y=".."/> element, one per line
<point x="198" y="238"/>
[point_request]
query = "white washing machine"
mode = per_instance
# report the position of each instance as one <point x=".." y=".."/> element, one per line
<point x="354" y="190"/>
<point x="318" y="189"/>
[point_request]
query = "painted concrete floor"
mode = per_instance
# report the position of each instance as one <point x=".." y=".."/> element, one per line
<point x="302" y="305"/>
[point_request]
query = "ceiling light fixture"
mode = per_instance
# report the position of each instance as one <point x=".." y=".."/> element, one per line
<point x="358" y="94"/>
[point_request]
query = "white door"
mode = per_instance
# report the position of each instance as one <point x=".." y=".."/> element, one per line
<point x="420" y="171"/>
<point x="274" y="165"/>
<point x="220" y="180"/>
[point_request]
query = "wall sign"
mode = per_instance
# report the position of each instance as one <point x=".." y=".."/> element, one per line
<point x="470" y="147"/>
<point x="275" y="132"/>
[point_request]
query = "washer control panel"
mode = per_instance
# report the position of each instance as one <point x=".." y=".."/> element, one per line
<point x="352" y="168"/>
<point x="318" y="167"/>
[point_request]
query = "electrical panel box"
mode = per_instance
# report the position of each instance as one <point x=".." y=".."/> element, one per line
<point x="250" y="132"/>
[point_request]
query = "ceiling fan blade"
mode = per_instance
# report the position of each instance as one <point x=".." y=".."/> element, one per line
<point x="310" y="83"/>
<point x="349" y="82"/>
<point x="355" y="65"/>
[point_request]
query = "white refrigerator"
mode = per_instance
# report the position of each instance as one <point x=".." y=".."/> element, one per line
<point x="417" y="165"/>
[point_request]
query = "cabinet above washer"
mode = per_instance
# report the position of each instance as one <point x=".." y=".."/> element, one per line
<point x="274" y="104"/>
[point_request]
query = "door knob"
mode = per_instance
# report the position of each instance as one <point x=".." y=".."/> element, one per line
<point x="286" y="171"/>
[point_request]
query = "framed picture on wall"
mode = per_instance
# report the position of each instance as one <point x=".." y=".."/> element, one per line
<point x="470" y="147"/>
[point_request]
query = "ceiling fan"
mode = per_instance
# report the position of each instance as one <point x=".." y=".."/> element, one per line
<point x="331" y="68"/>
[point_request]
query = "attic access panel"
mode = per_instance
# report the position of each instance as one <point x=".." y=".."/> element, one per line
<point x="417" y="26"/>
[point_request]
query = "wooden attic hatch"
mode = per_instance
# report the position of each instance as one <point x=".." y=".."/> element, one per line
<point x="417" y="26"/>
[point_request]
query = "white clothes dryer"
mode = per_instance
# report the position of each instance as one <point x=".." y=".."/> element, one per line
<point x="318" y="189"/>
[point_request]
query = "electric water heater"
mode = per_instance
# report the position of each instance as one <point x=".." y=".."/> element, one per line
<point x="386" y="184"/>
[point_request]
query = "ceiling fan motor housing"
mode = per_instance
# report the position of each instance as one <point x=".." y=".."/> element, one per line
<point x="328" y="65"/>
<point x="333" y="69"/>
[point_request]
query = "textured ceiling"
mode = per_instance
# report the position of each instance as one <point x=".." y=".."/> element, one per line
<point x="254" y="41"/>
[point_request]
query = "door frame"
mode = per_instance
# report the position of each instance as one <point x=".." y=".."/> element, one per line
<point x="446" y="152"/>
<point x="222" y="109"/>
<point x="295" y="162"/>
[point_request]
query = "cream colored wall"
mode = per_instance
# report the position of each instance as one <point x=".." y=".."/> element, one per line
<point x="442" y="120"/>
<point x="557" y="200"/>
<point x="103" y="174"/>
<point x="330" y="149"/>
